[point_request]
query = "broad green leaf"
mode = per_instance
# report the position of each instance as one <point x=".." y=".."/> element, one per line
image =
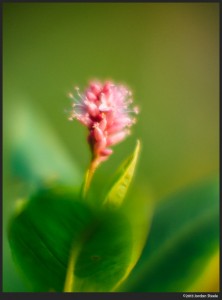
<point x="209" y="279"/>
<point x="33" y="156"/>
<point x="122" y="179"/>
<point x="139" y="209"/>
<point x="45" y="230"/>
<point x="184" y="235"/>
<point x="105" y="254"/>
<point x="41" y="234"/>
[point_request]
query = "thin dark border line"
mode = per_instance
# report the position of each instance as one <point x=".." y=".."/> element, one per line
<point x="122" y="1"/>
<point x="220" y="126"/>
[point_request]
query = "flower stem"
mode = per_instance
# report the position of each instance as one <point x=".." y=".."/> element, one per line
<point x="68" y="286"/>
<point x="89" y="175"/>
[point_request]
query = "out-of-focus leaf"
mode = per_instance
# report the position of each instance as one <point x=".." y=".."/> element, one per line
<point x="138" y="208"/>
<point x="105" y="255"/>
<point x="184" y="235"/>
<point x="37" y="156"/>
<point x="33" y="156"/>
<point x="209" y="279"/>
<point x="122" y="179"/>
<point x="45" y="229"/>
<point x="41" y="233"/>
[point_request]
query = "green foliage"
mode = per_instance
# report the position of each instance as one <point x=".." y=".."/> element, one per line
<point x="110" y="238"/>
<point x="138" y="207"/>
<point x="44" y="230"/>
<point x="180" y="140"/>
<point x="54" y="221"/>
<point x="41" y="234"/>
<point x="37" y="156"/>
<point x="105" y="254"/>
<point x="122" y="179"/>
<point x="184" y="234"/>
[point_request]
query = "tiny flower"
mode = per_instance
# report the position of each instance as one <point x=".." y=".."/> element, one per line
<point x="105" y="110"/>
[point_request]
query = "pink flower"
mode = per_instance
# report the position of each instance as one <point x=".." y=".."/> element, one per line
<point x="105" y="110"/>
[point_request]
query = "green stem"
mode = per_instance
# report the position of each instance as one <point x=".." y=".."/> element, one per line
<point x="89" y="175"/>
<point x="69" y="281"/>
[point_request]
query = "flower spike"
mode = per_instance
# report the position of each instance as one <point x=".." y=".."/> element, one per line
<point x="104" y="108"/>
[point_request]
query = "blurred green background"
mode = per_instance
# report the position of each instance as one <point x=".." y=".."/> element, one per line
<point x="167" y="53"/>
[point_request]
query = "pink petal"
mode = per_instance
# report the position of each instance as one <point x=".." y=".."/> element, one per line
<point x="84" y="119"/>
<point x="100" y="146"/>
<point x="115" y="128"/>
<point x="106" y="152"/>
<point x="98" y="134"/>
<point x="92" y="109"/>
<point x="96" y="87"/>
<point x="106" y="87"/>
<point x="110" y="117"/>
<point x="103" y="124"/>
<point x="116" y="138"/>
<point x="91" y="96"/>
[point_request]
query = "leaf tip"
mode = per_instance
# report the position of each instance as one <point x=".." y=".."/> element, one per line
<point x="20" y="205"/>
<point x="124" y="177"/>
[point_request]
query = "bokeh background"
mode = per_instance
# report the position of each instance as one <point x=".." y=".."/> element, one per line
<point x="167" y="53"/>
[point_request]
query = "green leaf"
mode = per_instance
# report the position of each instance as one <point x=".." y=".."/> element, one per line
<point x="37" y="156"/>
<point x="105" y="254"/>
<point x="33" y="157"/>
<point x="46" y="229"/>
<point x="139" y="210"/>
<point x="40" y="236"/>
<point x="184" y="235"/>
<point x="122" y="179"/>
